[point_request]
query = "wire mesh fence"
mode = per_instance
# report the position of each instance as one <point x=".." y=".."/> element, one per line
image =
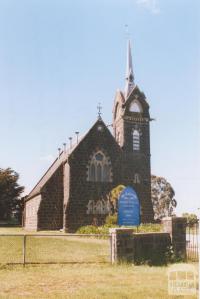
<point x="192" y="242"/>
<point x="50" y="249"/>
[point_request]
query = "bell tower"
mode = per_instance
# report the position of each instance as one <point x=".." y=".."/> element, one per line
<point x="131" y="125"/>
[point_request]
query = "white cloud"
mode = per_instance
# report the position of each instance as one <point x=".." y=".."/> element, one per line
<point x="47" y="158"/>
<point x="151" y="5"/>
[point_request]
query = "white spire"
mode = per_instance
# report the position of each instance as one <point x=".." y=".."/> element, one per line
<point x="129" y="72"/>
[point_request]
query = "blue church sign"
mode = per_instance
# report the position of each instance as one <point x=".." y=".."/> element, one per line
<point x="128" y="208"/>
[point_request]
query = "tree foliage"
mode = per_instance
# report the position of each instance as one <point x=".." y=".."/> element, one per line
<point x="115" y="192"/>
<point x="10" y="192"/>
<point x="162" y="195"/>
<point x="191" y="218"/>
<point x="114" y="196"/>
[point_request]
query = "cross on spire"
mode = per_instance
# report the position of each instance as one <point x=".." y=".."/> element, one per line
<point x="127" y="31"/>
<point x="99" y="107"/>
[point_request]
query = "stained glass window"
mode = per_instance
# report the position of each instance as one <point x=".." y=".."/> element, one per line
<point x="99" y="168"/>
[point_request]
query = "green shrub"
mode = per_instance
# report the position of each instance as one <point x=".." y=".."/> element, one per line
<point x="88" y="229"/>
<point x="111" y="220"/>
<point x="104" y="229"/>
<point x="97" y="230"/>
<point x="148" y="228"/>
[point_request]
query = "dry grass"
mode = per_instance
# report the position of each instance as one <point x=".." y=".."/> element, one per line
<point x="84" y="282"/>
<point x="20" y="230"/>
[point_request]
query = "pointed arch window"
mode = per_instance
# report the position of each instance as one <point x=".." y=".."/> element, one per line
<point x="135" y="106"/>
<point x="99" y="168"/>
<point x="136" y="140"/>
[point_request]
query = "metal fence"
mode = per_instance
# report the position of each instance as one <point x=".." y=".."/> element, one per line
<point x="192" y="242"/>
<point x="54" y="248"/>
<point x="70" y="248"/>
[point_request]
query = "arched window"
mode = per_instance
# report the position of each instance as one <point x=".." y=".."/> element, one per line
<point x="135" y="106"/>
<point x="136" y="140"/>
<point x="99" y="168"/>
<point x="136" y="178"/>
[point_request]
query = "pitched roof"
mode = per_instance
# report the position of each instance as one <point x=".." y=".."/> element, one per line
<point x="63" y="158"/>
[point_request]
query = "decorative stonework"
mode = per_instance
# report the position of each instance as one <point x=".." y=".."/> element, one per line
<point x="99" y="207"/>
<point x="135" y="106"/>
<point x="99" y="168"/>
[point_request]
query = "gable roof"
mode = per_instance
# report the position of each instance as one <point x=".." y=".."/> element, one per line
<point x="95" y="125"/>
<point x="137" y="91"/>
<point x="63" y="158"/>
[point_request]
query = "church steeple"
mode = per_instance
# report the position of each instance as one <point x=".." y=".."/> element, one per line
<point x="129" y="72"/>
<point x="132" y="132"/>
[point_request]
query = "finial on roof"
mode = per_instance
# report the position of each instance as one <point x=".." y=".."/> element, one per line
<point x="129" y="72"/>
<point x="77" y="133"/>
<point x="70" y="142"/>
<point x="99" y="107"/>
<point x="64" y="147"/>
<point x="59" y="152"/>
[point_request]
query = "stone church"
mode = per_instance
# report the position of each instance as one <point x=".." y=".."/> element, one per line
<point x="74" y="190"/>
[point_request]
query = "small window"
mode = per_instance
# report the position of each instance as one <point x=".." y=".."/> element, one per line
<point x="136" y="140"/>
<point x="137" y="178"/>
<point x="135" y="106"/>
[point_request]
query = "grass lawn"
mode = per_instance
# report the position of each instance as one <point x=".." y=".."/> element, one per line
<point x="91" y="276"/>
<point x="20" y="230"/>
<point x="84" y="281"/>
<point x="56" y="249"/>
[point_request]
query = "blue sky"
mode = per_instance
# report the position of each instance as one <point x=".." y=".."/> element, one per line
<point x="59" y="58"/>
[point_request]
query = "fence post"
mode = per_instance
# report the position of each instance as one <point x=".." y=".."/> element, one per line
<point x="176" y="227"/>
<point x="121" y="244"/>
<point x="112" y="234"/>
<point x="24" y="250"/>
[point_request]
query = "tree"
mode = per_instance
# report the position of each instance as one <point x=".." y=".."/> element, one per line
<point x="10" y="192"/>
<point x="192" y="219"/>
<point x="114" y="196"/>
<point x="162" y="196"/>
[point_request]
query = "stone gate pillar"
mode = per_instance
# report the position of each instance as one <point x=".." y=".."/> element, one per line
<point x="176" y="227"/>
<point x="121" y="245"/>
